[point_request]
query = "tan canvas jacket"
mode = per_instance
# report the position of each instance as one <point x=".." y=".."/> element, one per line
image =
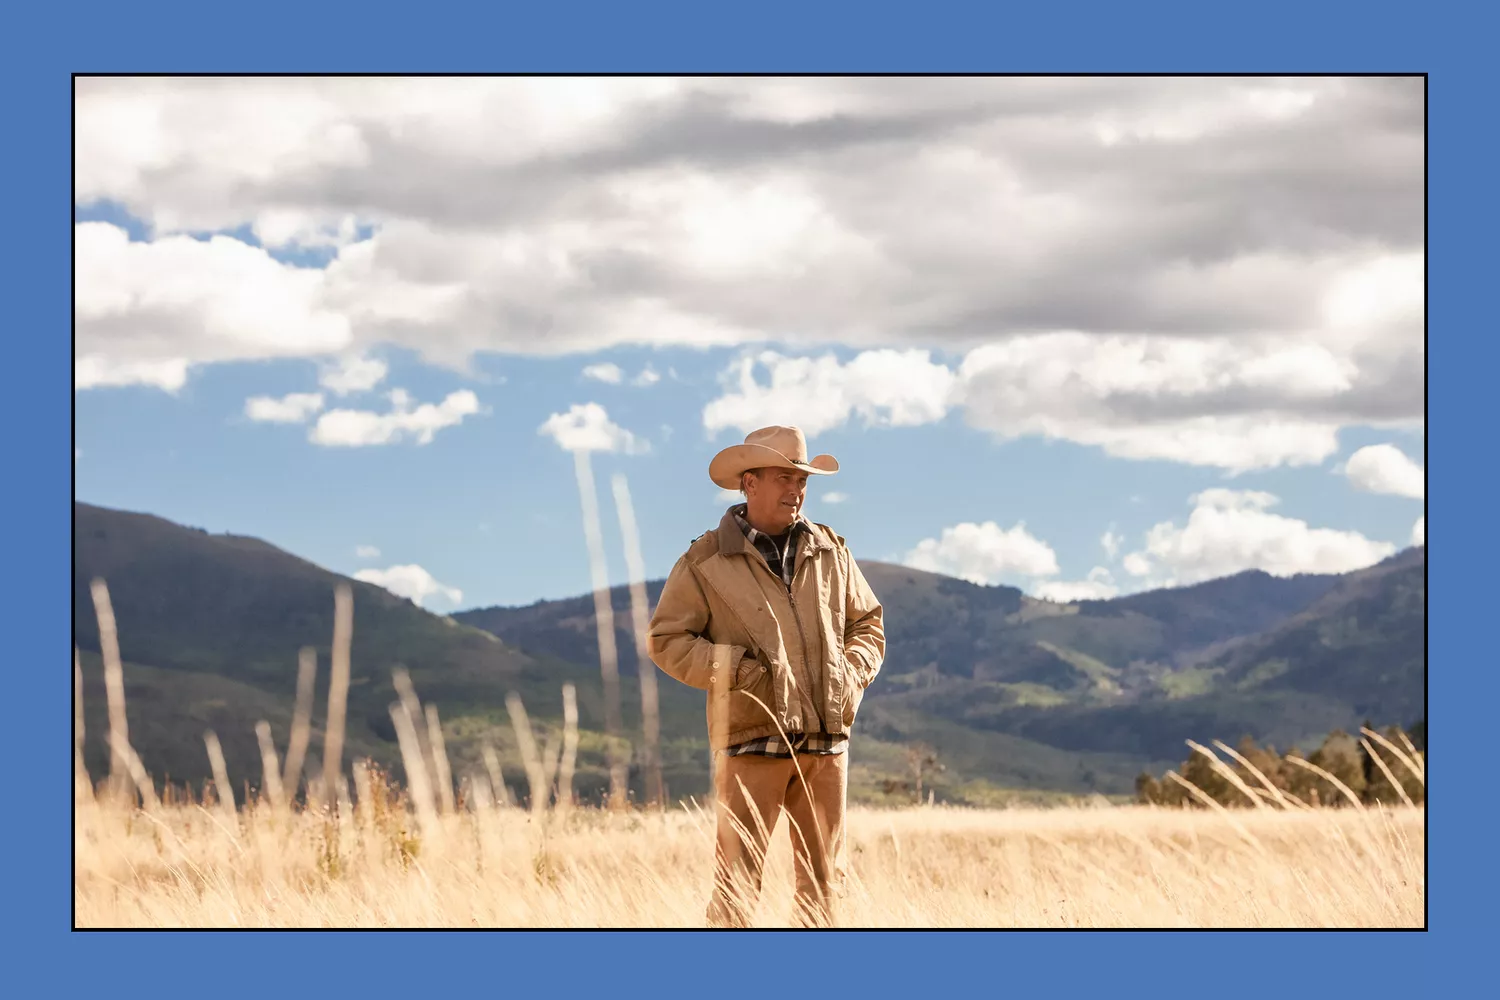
<point x="822" y="641"/>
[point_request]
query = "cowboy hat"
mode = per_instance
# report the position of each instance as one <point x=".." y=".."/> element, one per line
<point x="769" y="447"/>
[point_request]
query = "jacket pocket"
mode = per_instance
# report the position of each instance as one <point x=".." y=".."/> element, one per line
<point x="854" y="691"/>
<point x="752" y="702"/>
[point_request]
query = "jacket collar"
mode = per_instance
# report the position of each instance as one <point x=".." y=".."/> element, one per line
<point x="732" y="540"/>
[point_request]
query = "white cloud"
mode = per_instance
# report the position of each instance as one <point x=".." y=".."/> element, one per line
<point x="353" y="373"/>
<point x="358" y="428"/>
<point x="293" y="408"/>
<point x="607" y="372"/>
<point x="1419" y="531"/>
<point x="648" y="376"/>
<point x="411" y="582"/>
<point x="1230" y="531"/>
<point x="587" y="427"/>
<point x="983" y="553"/>
<point x="882" y="387"/>
<point x="1111" y="543"/>
<point x="1222" y="272"/>
<point x="1384" y="468"/>
<point x="1241" y="404"/>
<point x="1099" y="586"/>
<point x="728" y="496"/>
<point x="367" y="552"/>
<point x="93" y="371"/>
<point x="145" y="312"/>
<point x="834" y="497"/>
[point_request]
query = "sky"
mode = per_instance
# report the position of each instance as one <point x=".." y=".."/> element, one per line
<point x="1083" y="336"/>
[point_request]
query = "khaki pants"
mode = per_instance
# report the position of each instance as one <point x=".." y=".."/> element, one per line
<point x="752" y="792"/>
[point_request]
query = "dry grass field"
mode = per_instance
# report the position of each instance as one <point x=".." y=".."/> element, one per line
<point x="380" y="855"/>
<point x="191" y="866"/>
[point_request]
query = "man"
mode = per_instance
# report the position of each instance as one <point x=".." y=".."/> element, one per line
<point x="771" y="616"/>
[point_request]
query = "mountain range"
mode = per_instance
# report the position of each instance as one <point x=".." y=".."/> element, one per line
<point x="1015" y="697"/>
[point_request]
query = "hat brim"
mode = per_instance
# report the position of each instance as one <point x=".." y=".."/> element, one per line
<point x="733" y="462"/>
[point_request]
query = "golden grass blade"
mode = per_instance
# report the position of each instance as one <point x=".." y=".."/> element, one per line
<point x="640" y="615"/>
<point x="136" y="774"/>
<point x="569" y="749"/>
<point x="83" y="788"/>
<point x="270" y="771"/>
<point x="498" y="786"/>
<point x="1416" y="755"/>
<point x="551" y="758"/>
<point x="604" y="622"/>
<point x="338" y="688"/>
<point x="296" y="751"/>
<point x="1281" y="798"/>
<point x="114" y="688"/>
<point x="222" y="789"/>
<point x="1315" y="769"/>
<point x="1406" y="762"/>
<point x="440" y="769"/>
<point x="416" y="768"/>
<point x="408" y="695"/>
<point x="1228" y="774"/>
<point x="1380" y="763"/>
<point x="536" y="776"/>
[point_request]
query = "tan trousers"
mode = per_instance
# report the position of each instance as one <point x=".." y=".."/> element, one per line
<point x="752" y="792"/>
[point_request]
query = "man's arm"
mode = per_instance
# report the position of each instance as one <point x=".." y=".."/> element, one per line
<point x="675" y="637"/>
<point x="864" y="625"/>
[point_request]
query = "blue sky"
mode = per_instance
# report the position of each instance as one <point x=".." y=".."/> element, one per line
<point x="1024" y="315"/>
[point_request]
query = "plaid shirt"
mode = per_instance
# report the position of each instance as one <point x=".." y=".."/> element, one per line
<point x="783" y="564"/>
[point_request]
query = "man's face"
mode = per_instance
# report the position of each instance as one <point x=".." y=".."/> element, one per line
<point x="774" y="497"/>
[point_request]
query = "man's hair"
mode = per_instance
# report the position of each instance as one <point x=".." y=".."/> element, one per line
<point x="757" y="473"/>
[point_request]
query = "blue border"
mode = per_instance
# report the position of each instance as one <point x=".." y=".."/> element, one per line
<point x="48" y="43"/>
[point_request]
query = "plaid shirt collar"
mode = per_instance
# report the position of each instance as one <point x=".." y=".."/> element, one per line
<point x="762" y="541"/>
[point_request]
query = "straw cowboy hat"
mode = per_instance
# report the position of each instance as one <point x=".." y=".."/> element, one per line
<point x="769" y="447"/>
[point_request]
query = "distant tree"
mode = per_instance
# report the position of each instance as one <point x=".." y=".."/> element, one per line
<point x="1341" y="756"/>
<point x="922" y="760"/>
<point x="1147" y="789"/>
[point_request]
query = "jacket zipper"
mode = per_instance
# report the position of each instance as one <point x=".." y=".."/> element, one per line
<point x="801" y="635"/>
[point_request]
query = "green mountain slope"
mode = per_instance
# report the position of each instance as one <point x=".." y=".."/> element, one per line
<point x="1013" y="693"/>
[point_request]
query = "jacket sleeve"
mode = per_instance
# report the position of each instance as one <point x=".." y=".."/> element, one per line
<point x="864" y="624"/>
<point x="677" y="639"/>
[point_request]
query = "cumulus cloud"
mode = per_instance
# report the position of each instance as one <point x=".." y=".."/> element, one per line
<point x="728" y="496"/>
<point x="1419" y="531"/>
<point x="1384" y="468"/>
<point x="353" y="374"/>
<point x="360" y="428"/>
<point x="1240" y="405"/>
<point x="293" y="408"/>
<point x="607" y="372"/>
<point x="1223" y="272"/>
<point x="145" y="312"/>
<point x="1099" y="586"/>
<point x="587" y="427"/>
<point x="881" y="387"/>
<point x="1230" y="531"/>
<point x="367" y="552"/>
<point x="411" y="582"/>
<point x="834" y="497"/>
<point x="648" y="376"/>
<point x="984" y="553"/>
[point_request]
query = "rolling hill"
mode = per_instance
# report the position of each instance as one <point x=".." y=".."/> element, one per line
<point x="1016" y="695"/>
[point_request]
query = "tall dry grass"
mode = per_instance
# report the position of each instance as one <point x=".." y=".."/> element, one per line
<point x="423" y="854"/>
<point x="491" y="866"/>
